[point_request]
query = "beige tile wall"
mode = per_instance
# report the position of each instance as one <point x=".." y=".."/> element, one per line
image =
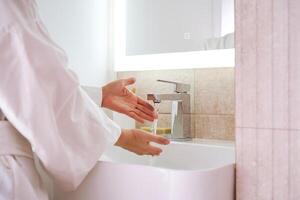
<point x="212" y="98"/>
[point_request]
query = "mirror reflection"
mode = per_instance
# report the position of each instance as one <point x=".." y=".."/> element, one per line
<point x="166" y="26"/>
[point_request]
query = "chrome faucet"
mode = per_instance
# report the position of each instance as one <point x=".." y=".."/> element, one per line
<point x="181" y="110"/>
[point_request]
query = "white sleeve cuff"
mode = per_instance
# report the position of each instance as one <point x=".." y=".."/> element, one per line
<point x="95" y="93"/>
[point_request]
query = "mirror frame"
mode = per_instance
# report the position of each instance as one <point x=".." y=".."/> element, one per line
<point x="179" y="60"/>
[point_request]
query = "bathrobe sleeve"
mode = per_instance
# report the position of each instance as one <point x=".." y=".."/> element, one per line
<point x="44" y="101"/>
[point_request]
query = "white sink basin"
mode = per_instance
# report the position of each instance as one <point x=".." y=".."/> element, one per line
<point x="184" y="171"/>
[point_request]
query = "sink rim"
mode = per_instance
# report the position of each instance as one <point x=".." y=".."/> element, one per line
<point x="166" y="169"/>
<point x="146" y="162"/>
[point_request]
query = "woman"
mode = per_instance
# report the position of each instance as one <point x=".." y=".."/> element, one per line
<point x="42" y="107"/>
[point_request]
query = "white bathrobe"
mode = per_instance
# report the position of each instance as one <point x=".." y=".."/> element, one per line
<point x="45" y="109"/>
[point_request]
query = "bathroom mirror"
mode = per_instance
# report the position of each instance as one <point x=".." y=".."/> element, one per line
<point x="165" y="26"/>
<point x="167" y="34"/>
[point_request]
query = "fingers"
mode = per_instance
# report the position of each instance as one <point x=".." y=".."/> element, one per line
<point x="157" y="139"/>
<point x="147" y="111"/>
<point x="146" y="107"/>
<point x="145" y="104"/>
<point x="144" y="142"/>
<point x="133" y="115"/>
<point x="149" y="150"/>
<point x="144" y="115"/>
<point x="129" y="81"/>
<point x="154" y="151"/>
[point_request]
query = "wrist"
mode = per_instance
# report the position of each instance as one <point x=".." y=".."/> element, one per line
<point x="104" y="95"/>
<point x="121" y="142"/>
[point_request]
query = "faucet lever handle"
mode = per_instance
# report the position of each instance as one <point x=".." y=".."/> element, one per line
<point x="180" y="87"/>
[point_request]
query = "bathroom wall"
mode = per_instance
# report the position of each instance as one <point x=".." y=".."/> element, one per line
<point x="212" y="98"/>
<point x="81" y="29"/>
<point x="268" y="99"/>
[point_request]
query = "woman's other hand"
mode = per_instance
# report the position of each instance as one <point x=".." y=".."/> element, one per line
<point x="116" y="97"/>
<point x="138" y="141"/>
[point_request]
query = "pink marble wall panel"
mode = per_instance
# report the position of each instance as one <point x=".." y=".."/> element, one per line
<point x="280" y="165"/>
<point x="263" y="64"/>
<point x="264" y="164"/>
<point x="247" y="163"/>
<point x="294" y="169"/>
<point x="280" y="64"/>
<point x="239" y="164"/>
<point x="268" y="99"/>
<point x="238" y="62"/>
<point x="294" y="63"/>
<point x="248" y="62"/>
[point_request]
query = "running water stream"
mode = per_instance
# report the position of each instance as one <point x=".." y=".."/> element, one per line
<point x="154" y="124"/>
<point x="154" y="131"/>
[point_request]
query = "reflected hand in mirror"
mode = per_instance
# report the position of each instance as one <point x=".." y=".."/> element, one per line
<point x="117" y="97"/>
<point x="138" y="141"/>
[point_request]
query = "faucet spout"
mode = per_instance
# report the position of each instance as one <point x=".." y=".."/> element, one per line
<point x="154" y="98"/>
<point x="166" y="97"/>
<point x="181" y="111"/>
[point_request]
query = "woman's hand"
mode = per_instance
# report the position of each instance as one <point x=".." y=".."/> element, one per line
<point x="138" y="141"/>
<point x="116" y="97"/>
